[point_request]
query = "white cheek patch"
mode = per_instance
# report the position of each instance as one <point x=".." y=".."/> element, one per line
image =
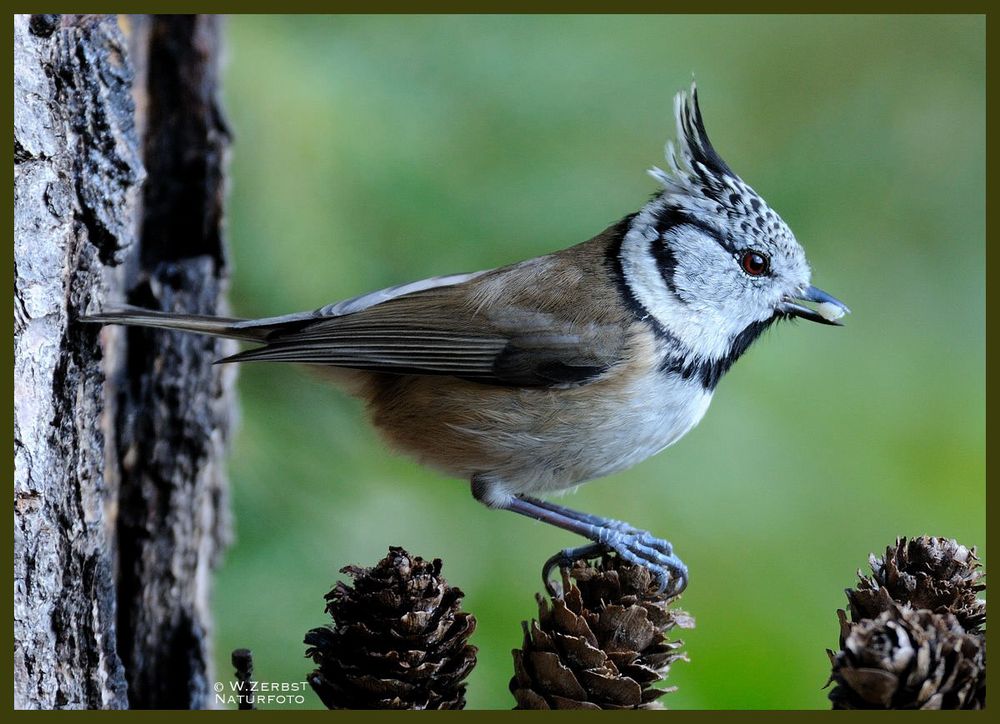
<point x="706" y="286"/>
<point x="705" y="334"/>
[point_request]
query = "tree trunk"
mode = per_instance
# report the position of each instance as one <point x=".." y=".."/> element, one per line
<point x="120" y="497"/>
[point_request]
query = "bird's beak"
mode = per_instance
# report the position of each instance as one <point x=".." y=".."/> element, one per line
<point x="828" y="310"/>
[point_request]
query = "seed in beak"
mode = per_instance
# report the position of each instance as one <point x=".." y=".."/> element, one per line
<point x="829" y="311"/>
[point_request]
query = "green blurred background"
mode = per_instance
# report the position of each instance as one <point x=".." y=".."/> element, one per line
<point x="371" y="151"/>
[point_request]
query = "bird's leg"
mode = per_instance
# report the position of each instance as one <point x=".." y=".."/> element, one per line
<point x="635" y="546"/>
<point x="662" y="545"/>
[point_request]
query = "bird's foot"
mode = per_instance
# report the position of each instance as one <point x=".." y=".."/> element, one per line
<point x="638" y="547"/>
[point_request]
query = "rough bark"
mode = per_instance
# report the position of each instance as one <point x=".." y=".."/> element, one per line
<point x="119" y="494"/>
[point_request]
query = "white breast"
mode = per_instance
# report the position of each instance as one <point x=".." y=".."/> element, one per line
<point x="599" y="434"/>
<point x="663" y="409"/>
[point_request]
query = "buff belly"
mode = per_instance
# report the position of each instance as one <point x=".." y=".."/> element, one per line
<point x="534" y="440"/>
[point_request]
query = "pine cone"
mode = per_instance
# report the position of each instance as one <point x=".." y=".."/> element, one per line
<point x="600" y="646"/>
<point x="908" y="659"/>
<point x="936" y="574"/>
<point x="399" y="639"/>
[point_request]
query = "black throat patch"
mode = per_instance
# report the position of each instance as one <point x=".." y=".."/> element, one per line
<point x="709" y="372"/>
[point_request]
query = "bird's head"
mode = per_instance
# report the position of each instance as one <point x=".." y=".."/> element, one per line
<point x="708" y="259"/>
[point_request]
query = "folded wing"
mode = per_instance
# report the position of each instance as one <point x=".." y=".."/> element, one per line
<point x="444" y="330"/>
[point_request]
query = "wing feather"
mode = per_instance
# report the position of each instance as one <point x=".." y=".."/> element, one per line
<point x="442" y="327"/>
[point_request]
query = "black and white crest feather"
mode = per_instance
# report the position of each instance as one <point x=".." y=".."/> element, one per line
<point x="697" y="150"/>
<point x="698" y="181"/>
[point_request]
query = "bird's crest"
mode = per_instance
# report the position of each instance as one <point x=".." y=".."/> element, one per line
<point x="697" y="177"/>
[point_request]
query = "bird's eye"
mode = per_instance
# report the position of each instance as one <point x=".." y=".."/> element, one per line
<point x="753" y="263"/>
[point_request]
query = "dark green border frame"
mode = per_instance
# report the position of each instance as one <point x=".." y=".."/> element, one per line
<point x="526" y="6"/>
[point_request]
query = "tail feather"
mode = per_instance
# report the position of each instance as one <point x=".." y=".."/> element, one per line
<point x="197" y="323"/>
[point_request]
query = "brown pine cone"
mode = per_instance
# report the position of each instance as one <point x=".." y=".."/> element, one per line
<point x="399" y="639"/>
<point x="600" y="646"/>
<point x="936" y="574"/>
<point x="908" y="659"/>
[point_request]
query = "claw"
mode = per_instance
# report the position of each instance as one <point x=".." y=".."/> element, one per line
<point x="657" y="556"/>
<point x="564" y="559"/>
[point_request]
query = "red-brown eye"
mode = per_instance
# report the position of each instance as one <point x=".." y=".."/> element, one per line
<point x="753" y="263"/>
